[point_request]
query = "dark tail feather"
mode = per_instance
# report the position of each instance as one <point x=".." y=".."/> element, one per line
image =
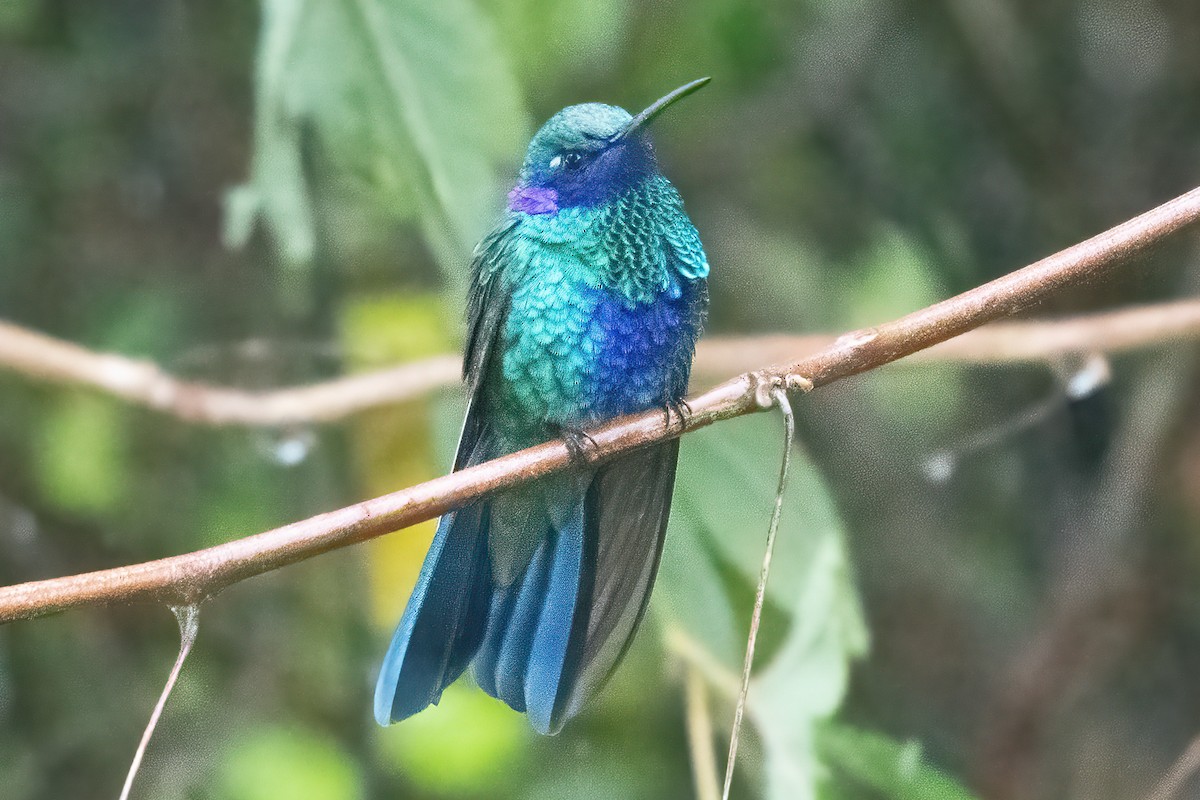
<point x="500" y="666"/>
<point x="557" y="643"/>
<point x="625" y="515"/>
<point x="444" y="622"/>
<point x="534" y="636"/>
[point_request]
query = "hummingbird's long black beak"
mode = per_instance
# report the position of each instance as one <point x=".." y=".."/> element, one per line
<point x="659" y="106"/>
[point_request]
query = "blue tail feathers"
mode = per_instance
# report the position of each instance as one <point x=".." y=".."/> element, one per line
<point x="519" y="639"/>
<point x="553" y="658"/>
<point x="547" y="640"/>
<point x="444" y="622"/>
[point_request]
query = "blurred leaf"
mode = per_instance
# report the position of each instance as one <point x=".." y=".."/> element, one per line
<point x="895" y="770"/>
<point x="923" y="402"/>
<point x="725" y="491"/>
<point x="785" y="282"/>
<point x="468" y="743"/>
<point x="82" y="458"/>
<point x="292" y="763"/>
<point x="413" y="102"/>
<point x="806" y="681"/>
<point x="723" y="498"/>
<point x="277" y="190"/>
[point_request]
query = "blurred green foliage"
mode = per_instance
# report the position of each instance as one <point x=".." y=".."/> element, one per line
<point x="82" y="464"/>
<point x="412" y="105"/>
<point x="287" y="763"/>
<point x="812" y="624"/>
<point x="850" y="162"/>
<point x="857" y="759"/>
<point x="468" y="745"/>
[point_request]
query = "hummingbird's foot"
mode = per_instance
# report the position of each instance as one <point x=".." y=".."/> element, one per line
<point x="580" y="445"/>
<point x="680" y="409"/>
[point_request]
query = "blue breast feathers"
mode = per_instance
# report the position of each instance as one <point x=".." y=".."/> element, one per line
<point x="608" y="356"/>
<point x="638" y="354"/>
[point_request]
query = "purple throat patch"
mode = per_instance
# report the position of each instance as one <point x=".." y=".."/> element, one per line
<point x="533" y="200"/>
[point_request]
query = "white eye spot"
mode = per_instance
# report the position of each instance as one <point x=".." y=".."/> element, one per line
<point x="556" y="162"/>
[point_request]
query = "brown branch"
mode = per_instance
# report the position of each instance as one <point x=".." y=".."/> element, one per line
<point x="999" y="343"/>
<point x="143" y="383"/>
<point x="191" y="577"/>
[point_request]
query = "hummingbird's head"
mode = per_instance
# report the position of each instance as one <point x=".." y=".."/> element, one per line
<point x="588" y="154"/>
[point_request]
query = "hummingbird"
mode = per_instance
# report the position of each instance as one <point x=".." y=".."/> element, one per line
<point x="585" y="303"/>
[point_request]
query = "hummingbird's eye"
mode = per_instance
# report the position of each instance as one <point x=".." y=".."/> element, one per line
<point x="571" y="159"/>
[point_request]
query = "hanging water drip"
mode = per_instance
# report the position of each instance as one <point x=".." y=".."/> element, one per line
<point x="1090" y="410"/>
<point x="939" y="467"/>
<point x="1094" y="375"/>
<point x="287" y="447"/>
